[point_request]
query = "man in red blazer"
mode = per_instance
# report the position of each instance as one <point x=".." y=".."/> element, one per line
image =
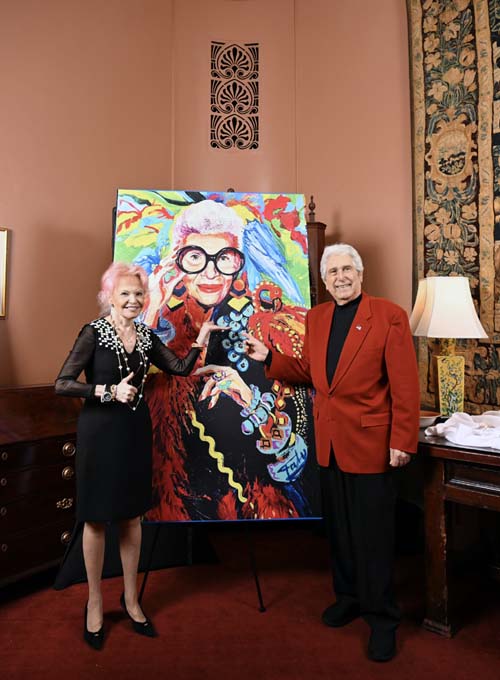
<point x="358" y="354"/>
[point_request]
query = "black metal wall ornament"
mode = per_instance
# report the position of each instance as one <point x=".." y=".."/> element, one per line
<point x="234" y="96"/>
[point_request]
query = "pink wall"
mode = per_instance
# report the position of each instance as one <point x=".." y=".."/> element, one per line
<point x="354" y="135"/>
<point x="271" y="167"/>
<point x="86" y="95"/>
<point x="113" y="94"/>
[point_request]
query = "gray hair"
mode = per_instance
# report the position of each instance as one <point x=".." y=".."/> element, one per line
<point x="340" y="249"/>
<point x="207" y="217"/>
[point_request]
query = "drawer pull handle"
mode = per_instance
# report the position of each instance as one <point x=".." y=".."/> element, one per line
<point x="67" y="472"/>
<point x="3" y="481"/>
<point x="5" y="455"/>
<point x="68" y="449"/>
<point x="3" y="511"/>
<point x="64" y="504"/>
<point x="4" y="547"/>
<point x="65" y="537"/>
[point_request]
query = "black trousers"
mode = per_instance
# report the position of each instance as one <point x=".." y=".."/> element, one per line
<point x="359" y="510"/>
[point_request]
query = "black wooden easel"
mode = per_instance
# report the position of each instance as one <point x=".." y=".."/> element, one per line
<point x="251" y="558"/>
<point x="253" y="566"/>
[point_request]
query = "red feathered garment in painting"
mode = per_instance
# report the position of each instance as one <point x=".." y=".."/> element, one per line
<point x="170" y="398"/>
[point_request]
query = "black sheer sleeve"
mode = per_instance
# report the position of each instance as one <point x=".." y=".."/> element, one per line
<point x="164" y="359"/>
<point x="78" y="359"/>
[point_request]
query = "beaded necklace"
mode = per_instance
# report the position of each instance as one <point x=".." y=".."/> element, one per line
<point x="123" y="365"/>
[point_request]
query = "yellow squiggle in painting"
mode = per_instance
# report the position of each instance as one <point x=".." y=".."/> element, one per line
<point x="218" y="456"/>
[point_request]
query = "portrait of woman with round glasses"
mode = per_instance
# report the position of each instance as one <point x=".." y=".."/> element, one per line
<point x="204" y="263"/>
<point x="237" y="446"/>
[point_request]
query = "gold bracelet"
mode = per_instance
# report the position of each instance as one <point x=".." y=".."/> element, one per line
<point x="197" y="345"/>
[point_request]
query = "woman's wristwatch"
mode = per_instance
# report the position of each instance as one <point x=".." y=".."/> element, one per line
<point x="108" y="394"/>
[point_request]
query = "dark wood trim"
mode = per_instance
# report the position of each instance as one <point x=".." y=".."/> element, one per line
<point x="32" y="413"/>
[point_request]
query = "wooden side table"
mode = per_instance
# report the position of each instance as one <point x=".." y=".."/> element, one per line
<point x="452" y="474"/>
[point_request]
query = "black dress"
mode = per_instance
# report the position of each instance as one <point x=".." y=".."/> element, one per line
<point x="113" y="461"/>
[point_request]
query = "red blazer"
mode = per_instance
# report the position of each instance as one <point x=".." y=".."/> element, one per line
<point x="373" y="402"/>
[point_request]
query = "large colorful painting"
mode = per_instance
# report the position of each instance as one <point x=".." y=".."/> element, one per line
<point x="455" y="53"/>
<point x="229" y="444"/>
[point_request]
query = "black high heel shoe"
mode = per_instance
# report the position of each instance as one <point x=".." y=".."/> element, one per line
<point x="94" y="640"/>
<point x="141" y="627"/>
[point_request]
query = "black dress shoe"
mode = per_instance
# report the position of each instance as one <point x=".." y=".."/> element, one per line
<point x="142" y="627"/>
<point x="382" y="645"/>
<point x="341" y="613"/>
<point x="94" y="640"/>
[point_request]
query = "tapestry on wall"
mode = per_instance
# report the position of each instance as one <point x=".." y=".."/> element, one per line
<point x="455" y="55"/>
<point x="228" y="443"/>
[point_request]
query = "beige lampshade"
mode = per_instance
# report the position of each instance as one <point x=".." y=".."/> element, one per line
<point x="444" y="309"/>
<point x="418" y="307"/>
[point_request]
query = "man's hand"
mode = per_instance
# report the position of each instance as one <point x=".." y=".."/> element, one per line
<point x="255" y="348"/>
<point x="398" y="458"/>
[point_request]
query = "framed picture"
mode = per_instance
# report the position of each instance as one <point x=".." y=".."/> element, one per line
<point x="3" y="272"/>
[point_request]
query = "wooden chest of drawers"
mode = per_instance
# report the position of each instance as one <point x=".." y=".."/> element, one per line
<point x="37" y="484"/>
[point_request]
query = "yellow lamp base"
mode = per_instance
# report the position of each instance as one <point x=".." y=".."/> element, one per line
<point x="450" y="374"/>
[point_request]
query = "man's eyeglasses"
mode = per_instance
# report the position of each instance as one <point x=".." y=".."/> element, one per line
<point x="193" y="260"/>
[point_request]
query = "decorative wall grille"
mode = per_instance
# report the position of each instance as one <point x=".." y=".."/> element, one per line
<point x="234" y="96"/>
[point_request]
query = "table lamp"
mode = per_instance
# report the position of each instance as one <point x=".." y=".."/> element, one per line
<point x="444" y="309"/>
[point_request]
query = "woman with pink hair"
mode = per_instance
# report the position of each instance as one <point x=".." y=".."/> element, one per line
<point x="114" y="436"/>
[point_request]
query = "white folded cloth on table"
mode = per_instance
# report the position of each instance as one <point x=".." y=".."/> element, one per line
<point x="481" y="431"/>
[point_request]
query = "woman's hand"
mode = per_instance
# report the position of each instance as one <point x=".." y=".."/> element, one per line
<point x="255" y="348"/>
<point x="125" y="392"/>
<point x="224" y="380"/>
<point x="161" y="286"/>
<point x="205" y="330"/>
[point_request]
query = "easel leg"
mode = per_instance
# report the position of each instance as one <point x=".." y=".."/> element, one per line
<point x="150" y="560"/>
<point x="253" y="567"/>
<point x="189" y="546"/>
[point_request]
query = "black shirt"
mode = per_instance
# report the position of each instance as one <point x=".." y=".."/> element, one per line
<point x="341" y="323"/>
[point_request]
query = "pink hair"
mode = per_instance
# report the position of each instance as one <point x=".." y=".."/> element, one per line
<point x="110" y="278"/>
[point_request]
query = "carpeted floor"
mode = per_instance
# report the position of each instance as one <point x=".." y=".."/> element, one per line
<point x="210" y="626"/>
